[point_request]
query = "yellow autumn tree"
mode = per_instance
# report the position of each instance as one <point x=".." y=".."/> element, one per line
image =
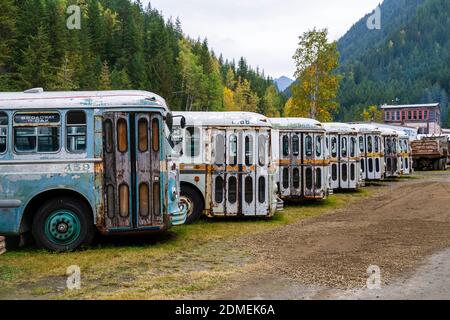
<point x="228" y="100"/>
<point x="372" y="114"/>
<point x="314" y="94"/>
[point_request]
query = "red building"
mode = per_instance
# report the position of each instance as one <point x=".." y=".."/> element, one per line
<point x="424" y="117"/>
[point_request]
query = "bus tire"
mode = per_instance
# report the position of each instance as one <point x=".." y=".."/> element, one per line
<point x="194" y="204"/>
<point x="63" y="224"/>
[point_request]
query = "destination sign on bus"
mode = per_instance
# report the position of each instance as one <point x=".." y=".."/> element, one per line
<point x="42" y="118"/>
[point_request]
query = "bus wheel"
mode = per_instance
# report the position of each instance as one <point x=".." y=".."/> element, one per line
<point x="63" y="224"/>
<point x="193" y="202"/>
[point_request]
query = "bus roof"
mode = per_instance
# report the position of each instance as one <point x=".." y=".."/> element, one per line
<point x="229" y="119"/>
<point x="339" y="127"/>
<point x="366" y="128"/>
<point x="404" y="131"/>
<point x="38" y="99"/>
<point x="296" y="123"/>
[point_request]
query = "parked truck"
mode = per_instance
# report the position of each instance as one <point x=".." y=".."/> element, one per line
<point x="430" y="153"/>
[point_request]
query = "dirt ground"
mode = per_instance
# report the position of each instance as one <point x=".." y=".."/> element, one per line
<point x="397" y="229"/>
<point x="315" y="251"/>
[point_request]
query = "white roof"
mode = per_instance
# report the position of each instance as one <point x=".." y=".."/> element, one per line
<point x="339" y="127"/>
<point x="224" y="119"/>
<point x="38" y="99"/>
<point x="366" y="128"/>
<point x="426" y="105"/>
<point x="296" y="124"/>
<point x="389" y="132"/>
<point x="403" y="131"/>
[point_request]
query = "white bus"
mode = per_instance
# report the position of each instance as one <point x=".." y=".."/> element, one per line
<point x="344" y="155"/>
<point x="226" y="164"/>
<point x="391" y="152"/>
<point x="301" y="155"/>
<point x="371" y="151"/>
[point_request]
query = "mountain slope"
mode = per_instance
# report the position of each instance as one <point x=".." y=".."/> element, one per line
<point x="283" y="83"/>
<point x="407" y="60"/>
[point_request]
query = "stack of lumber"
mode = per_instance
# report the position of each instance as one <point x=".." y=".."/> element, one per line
<point x="2" y="245"/>
<point x="426" y="148"/>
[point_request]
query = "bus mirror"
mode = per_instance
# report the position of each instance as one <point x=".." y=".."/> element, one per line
<point x="183" y="122"/>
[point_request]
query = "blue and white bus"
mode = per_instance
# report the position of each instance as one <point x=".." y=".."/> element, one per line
<point x="72" y="163"/>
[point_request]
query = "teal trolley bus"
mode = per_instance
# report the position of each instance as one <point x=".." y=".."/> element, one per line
<point x="72" y="163"/>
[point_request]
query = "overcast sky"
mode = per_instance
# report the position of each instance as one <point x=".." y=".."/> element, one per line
<point x="263" y="31"/>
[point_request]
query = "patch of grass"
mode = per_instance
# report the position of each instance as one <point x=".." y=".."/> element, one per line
<point x="182" y="262"/>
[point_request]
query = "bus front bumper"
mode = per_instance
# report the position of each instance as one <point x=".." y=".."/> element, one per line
<point x="179" y="217"/>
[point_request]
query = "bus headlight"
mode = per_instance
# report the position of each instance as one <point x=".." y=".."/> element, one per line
<point x="174" y="194"/>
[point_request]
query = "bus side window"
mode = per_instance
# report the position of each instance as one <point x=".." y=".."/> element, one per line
<point x="219" y="150"/>
<point x="40" y="139"/>
<point x="377" y="144"/>
<point x="122" y="136"/>
<point x="248" y="150"/>
<point x="318" y="146"/>
<point x="262" y="150"/>
<point x="3" y="132"/>
<point x="361" y="144"/>
<point x="344" y="147"/>
<point x="308" y="146"/>
<point x="155" y="135"/>
<point x="295" y="145"/>
<point x="192" y="142"/>
<point x="369" y="144"/>
<point x="76" y="131"/>
<point x="352" y="147"/>
<point x="285" y="145"/>
<point x="334" y="147"/>
<point x="233" y="150"/>
<point x="108" y="136"/>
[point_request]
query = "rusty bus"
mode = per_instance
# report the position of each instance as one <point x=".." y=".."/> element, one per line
<point x="74" y="162"/>
<point x="302" y="172"/>
<point x="226" y="164"/>
<point x="404" y="152"/>
<point x="371" y="151"/>
<point x="344" y="154"/>
<point x="391" y="145"/>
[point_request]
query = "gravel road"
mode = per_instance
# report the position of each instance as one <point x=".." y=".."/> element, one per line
<point x="404" y="230"/>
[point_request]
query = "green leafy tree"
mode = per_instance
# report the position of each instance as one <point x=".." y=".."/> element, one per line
<point x="315" y="92"/>
<point x="105" y="78"/>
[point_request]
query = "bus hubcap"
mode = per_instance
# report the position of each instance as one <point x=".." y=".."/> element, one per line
<point x="62" y="227"/>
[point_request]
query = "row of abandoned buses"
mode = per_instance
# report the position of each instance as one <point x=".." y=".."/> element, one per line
<point x="119" y="162"/>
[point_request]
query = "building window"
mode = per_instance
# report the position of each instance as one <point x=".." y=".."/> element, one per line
<point x="76" y="131"/>
<point x="425" y="114"/>
<point x="409" y="115"/>
<point x="387" y="116"/>
<point x="420" y="115"/>
<point x="398" y="115"/>
<point x="3" y="132"/>
<point x="403" y="115"/>
<point x="415" y="115"/>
